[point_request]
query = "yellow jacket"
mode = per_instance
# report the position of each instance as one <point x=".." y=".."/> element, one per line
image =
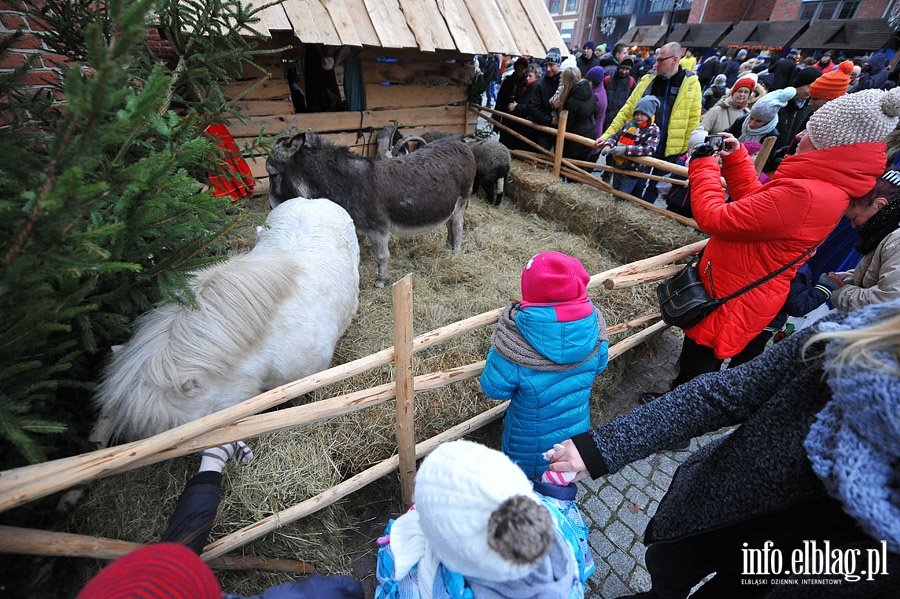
<point x="684" y="118"/>
<point x="688" y="63"/>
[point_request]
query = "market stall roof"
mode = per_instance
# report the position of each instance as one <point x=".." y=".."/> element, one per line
<point x="519" y="27"/>
<point x="699" y="35"/>
<point x="847" y="34"/>
<point x="763" y="35"/>
<point x="645" y="35"/>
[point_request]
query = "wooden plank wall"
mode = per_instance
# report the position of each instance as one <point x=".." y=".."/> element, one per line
<point x="422" y="91"/>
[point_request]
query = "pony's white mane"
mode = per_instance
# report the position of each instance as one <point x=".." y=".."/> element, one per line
<point x="177" y="355"/>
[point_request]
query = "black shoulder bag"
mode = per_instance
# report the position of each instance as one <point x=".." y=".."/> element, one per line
<point x="684" y="302"/>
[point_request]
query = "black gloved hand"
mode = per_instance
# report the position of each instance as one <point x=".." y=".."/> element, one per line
<point x="703" y="150"/>
<point x="829" y="283"/>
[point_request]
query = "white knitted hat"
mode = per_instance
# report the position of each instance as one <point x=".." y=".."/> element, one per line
<point x="479" y="513"/>
<point x="865" y="116"/>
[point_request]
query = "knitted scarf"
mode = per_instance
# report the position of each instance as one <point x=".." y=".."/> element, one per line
<point x="510" y="344"/>
<point x="629" y="136"/>
<point x="880" y="225"/>
<point x="748" y="133"/>
<point x="730" y="102"/>
<point x="854" y="444"/>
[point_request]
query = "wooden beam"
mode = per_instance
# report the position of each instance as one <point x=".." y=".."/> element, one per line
<point x="390" y="24"/>
<point x="343" y="24"/>
<point x="25" y="541"/>
<point x="412" y="96"/>
<point x="427" y="24"/>
<point x="462" y="26"/>
<point x="403" y="379"/>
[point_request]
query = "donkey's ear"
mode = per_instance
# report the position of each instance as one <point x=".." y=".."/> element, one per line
<point x="288" y="143"/>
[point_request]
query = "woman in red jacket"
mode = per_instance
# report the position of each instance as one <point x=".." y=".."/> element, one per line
<point x="764" y="227"/>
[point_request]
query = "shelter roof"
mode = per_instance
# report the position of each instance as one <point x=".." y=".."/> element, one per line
<point x="846" y="34"/>
<point x="645" y="35"/>
<point x="519" y="27"/>
<point x="763" y="35"/>
<point x="699" y="35"/>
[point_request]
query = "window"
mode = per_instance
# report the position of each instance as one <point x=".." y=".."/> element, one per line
<point x="565" y="31"/>
<point x="553" y="7"/>
<point x="848" y="10"/>
<point x="571" y="5"/>
<point x="616" y="7"/>
<point x="813" y="10"/>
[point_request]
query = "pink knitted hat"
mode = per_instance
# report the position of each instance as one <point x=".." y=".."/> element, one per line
<point x="554" y="277"/>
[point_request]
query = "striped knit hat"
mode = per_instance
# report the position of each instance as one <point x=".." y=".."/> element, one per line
<point x="160" y="571"/>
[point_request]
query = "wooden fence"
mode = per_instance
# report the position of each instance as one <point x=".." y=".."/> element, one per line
<point x="243" y="421"/>
<point x="574" y="169"/>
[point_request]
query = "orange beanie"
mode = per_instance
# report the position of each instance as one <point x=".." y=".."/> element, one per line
<point x="833" y="84"/>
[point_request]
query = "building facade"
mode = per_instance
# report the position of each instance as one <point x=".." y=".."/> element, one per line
<point x="844" y="25"/>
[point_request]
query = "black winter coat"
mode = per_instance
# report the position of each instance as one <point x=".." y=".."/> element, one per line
<point x="758" y="468"/>
<point x="585" y="65"/>
<point x="618" y="89"/>
<point x="791" y="120"/>
<point x="582" y="120"/>
<point x="708" y="71"/>
<point x="782" y="73"/>
<point x="540" y="109"/>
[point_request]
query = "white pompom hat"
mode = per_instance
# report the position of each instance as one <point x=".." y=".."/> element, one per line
<point x="459" y="487"/>
<point x="861" y="117"/>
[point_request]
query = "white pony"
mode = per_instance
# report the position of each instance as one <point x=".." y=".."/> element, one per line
<point x="265" y="318"/>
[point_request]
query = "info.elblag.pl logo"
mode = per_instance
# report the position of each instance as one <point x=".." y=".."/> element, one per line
<point x="813" y="559"/>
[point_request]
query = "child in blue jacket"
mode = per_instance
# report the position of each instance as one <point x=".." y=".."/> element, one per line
<point x="545" y="353"/>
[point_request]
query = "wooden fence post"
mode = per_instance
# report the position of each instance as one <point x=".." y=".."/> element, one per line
<point x="560" y="142"/>
<point x="403" y="379"/>
<point x="763" y="155"/>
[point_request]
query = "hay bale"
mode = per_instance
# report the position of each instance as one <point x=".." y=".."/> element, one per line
<point x="625" y="230"/>
<point x="292" y="466"/>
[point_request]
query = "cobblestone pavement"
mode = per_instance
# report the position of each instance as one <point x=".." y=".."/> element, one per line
<point x="618" y="507"/>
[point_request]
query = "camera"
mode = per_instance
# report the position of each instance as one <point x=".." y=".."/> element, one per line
<point x="716" y="141"/>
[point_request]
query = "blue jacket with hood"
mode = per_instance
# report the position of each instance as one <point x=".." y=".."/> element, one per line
<point x="547" y="367"/>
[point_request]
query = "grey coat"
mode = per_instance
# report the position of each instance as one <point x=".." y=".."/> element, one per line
<point x="758" y="468"/>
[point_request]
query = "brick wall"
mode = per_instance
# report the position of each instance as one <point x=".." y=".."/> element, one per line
<point x="786" y="10"/>
<point x="872" y="9"/>
<point x="731" y="11"/>
<point x="768" y="10"/>
<point x="44" y="66"/>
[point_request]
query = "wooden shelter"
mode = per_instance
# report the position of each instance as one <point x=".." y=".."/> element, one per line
<point x="351" y="67"/>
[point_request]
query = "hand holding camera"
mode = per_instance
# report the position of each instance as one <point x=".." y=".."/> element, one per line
<point x="710" y="145"/>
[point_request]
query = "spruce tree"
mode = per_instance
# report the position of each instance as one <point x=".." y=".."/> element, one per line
<point x="105" y="206"/>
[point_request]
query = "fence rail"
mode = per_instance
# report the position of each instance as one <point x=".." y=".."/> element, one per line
<point x="22" y="485"/>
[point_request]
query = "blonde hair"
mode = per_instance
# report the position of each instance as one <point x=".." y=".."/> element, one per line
<point x="858" y="346"/>
<point x="570" y="77"/>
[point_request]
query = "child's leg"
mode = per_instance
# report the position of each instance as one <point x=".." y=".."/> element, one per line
<point x="625" y="184"/>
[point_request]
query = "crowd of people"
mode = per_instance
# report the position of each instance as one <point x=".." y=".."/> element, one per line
<point x="814" y="455"/>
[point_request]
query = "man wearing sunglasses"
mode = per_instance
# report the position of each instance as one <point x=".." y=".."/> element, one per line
<point x="680" y="100"/>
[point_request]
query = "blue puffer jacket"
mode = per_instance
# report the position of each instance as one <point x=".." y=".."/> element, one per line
<point x="550" y="395"/>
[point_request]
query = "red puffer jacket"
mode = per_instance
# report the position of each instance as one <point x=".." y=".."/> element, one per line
<point x="766" y="226"/>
